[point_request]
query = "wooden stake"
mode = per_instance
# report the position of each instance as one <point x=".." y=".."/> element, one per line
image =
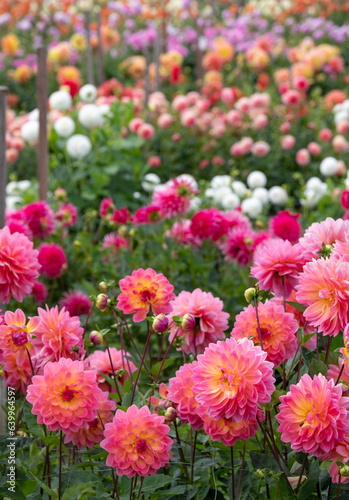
<point x="146" y="80"/>
<point x="3" y="167"/>
<point x="100" y="67"/>
<point x="157" y="54"/>
<point x="90" y="78"/>
<point x="42" y="106"/>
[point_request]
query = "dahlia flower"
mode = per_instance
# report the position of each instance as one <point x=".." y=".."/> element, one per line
<point x="137" y="442"/>
<point x="56" y="336"/>
<point x="170" y="202"/>
<point x="313" y="415"/>
<point x="115" y="244"/>
<point x="40" y="218"/>
<point x="239" y="245"/>
<point x="339" y="454"/>
<point x="180" y="391"/>
<point x="99" y="362"/>
<point x="340" y="249"/>
<point x="65" y="397"/>
<point x="18" y="266"/>
<point x="16" y="371"/>
<point x="67" y="214"/>
<point x="39" y="292"/>
<point x="181" y="233"/>
<point x="334" y="371"/>
<point x="232" y="378"/>
<point x="52" y="259"/>
<point x="210" y="320"/>
<point x="143" y="290"/>
<point x="277" y="265"/>
<point x="326" y="232"/>
<point x="324" y="289"/>
<point x="278" y="329"/>
<point x="150" y="214"/>
<point x="15" y="334"/>
<point x="76" y="303"/>
<point x="94" y="430"/>
<point x="285" y="225"/>
<point x="209" y="223"/>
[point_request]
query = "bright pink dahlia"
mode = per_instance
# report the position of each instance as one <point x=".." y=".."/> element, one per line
<point x="209" y="223"/>
<point x="285" y="225"/>
<point x="56" y="336"/>
<point x="210" y="322"/>
<point x="325" y="232"/>
<point x="114" y="243"/>
<point x="239" y="245"/>
<point x="137" y="442"/>
<point x="67" y="214"/>
<point x="313" y="415"/>
<point x="39" y="292"/>
<point x="277" y="265"/>
<point x="181" y="392"/>
<point x="106" y="208"/>
<point x="100" y="362"/>
<point x="65" y="397"/>
<point x="18" y="266"/>
<point x="94" y="431"/>
<point x="16" y="225"/>
<point x="170" y="202"/>
<point x="150" y="214"/>
<point x="232" y="378"/>
<point x="52" y="259"/>
<point x="40" y="218"/>
<point x="278" y="328"/>
<point x="143" y="290"/>
<point x="76" y="303"/>
<point x="324" y="289"/>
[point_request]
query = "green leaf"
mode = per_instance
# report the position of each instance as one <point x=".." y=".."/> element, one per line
<point x="316" y="366"/>
<point x="25" y="468"/>
<point x="76" y="489"/>
<point x="31" y="421"/>
<point x="156" y="367"/>
<point x="262" y="461"/>
<point x="309" y="486"/>
<point x="297" y="306"/>
<point x="152" y="483"/>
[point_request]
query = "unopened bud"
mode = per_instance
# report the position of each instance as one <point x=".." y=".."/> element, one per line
<point x="170" y="415"/>
<point x="160" y="323"/>
<point x="250" y="295"/>
<point x="259" y="473"/>
<point x="103" y="286"/>
<point x="22" y="433"/>
<point x="188" y="322"/>
<point x="60" y="194"/>
<point x="344" y="471"/>
<point x="77" y="243"/>
<point x="96" y="338"/>
<point x="102" y="301"/>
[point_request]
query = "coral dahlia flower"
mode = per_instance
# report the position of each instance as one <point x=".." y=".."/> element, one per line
<point x="180" y="391"/>
<point x="100" y="362"/>
<point x="15" y="334"/>
<point x="137" y="442"/>
<point x="325" y="232"/>
<point x="277" y="265"/>
<point x="65" y="397"/>
<point x="324" y="289"/>
<point x="143" y="290"/>
<point x="232" y="378"/>
<point x="210" y="319"/>
<point x="313" y="415"/>
<point x="16" y="372"/>
<point x="278" y="329"/>
<point x="18" y="266"/>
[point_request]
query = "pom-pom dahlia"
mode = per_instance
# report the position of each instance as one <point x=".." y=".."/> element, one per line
<point x="285" y="225"/>
<point x="324" y="289"/>
<point x="143" y="290"/>
<point x="209" y="223"/>
<point x="18" y="266"/>
<point x="278" y="329"/>
<point x="180" y="391"/>
<point x="137" y="442"/>
<point x="65" y="397"/>
<point x="232" y="378"/>
<point x="76" y="303"/>
<point x="277" y="265"/>
<point x="210" y="319"/>
<point x="100" y="362"/>
<point x="52" y="259"/>
<point x="313" y="415"/>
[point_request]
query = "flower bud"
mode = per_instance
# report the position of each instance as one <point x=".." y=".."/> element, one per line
<point x="77" y="243"/>
<point x="160" y="323"/>
<point x="103" y="286"/>
<point x="259" y="473"/>
<point x="344" y="471"/>
<point x="250" y="295"/>
<point x="60" y="194"/>
<point x="96" y="338"/>
<point x="188" y="322"/>
<point x="170" y="415"/>
<point x="102" y="301"/>
<point x="22" y="433"/>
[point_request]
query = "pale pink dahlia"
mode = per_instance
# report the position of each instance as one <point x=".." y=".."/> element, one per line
<point x="143" y="290"/>
<point x="334" y="371"/>
<point x="340" y="249"/>
<point x="100" y="362"/>
<point x="16" y="372"/>
<point x="278" y="329"/>
<point x="210" y="322"/>
<point x="18" y="266"/>
<point x="56" y="336"/>
<point x="277" y="265"/>
<point x="94" y="431"/>
<point x="313" y="415"/>
<point x="66" y="397"/>
<point x="181" y="392"/>
<point x="232" y="378"/>
<point x="137" y="442"/>
<point x="324" y="288"/>
<point x="325" y="232"/>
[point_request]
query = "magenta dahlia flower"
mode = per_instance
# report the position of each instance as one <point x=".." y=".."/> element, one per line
<point x="52" y="259"/>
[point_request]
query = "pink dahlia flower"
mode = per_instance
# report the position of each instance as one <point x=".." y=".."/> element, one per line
<point x="181" y="393"/>
<point x="209" y="223"/>
<point x="15" y="335"/>
<point x="232" y="378"/>
<point x="143" y="290"/>
<point x="56" y="336"/>
<point x="335" y="371"/>
<point x="114" y="243"/>
<point x="17" y="225"/>
<point x="18" y="266"/>
<point x="278" y="329"/>
<point x="40" y="218"/>
<point x="106" y="208"/>
<point x="100" y="362"/>
<point x="94" y="430"/>
<point x="137" y="442"/>
<point x="325" y="232"/>
<point x="340" y="249"/>
<point x="210" y="320"/>
<point x="277" y="265"/>
<point x="39" y="292"/>
<point x="16" y="371"/>
<point x="65" y="397"/>
<point x="239" y="245"/>
<point x="313" y="415"/>
<point x="67" y="214"/>
<point x="52" y="259"/>
<point x="181" y="233"/>
<point x="170" y="202"/>
<point x="236" y="219"/>
<point x="150" y="214"/>
<point x="324" y="289"/>
<point x="285" y="225"/>
<point x="76" y="303"/>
